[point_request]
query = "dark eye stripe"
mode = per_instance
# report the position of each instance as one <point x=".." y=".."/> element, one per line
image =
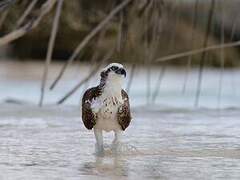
<point x="114" y="68"/>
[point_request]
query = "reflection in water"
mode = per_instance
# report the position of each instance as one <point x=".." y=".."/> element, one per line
<point x="106" y="166"/>
<point x="113" y="163"/>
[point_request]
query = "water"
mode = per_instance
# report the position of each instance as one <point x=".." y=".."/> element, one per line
<point x="168" y="140"/>
<point x="52" y="143"/>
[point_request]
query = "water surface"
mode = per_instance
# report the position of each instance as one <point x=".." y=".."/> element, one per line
<point x="52" y="143"/>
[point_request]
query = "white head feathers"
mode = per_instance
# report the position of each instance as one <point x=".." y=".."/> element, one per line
<point x="112" y="77"/>
<point x="112" y="64"/>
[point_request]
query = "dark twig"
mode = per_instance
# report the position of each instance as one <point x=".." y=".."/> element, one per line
<point x="50" y="49"/>
<point x="202" y="61"/>
<point x="90" y="75"/>
<point x="159" y="82"/>
<point x="222" y="58"/>
<point x="123" y="30"/>
<point x="26" y="12"/>
<point x="156" y="36"/>
<point x="189" y="63"/>
<point x="96" y="53"/>
<point x="3" y="17"/>
<point x="132" y="71"/>
<point x="234" y="27"/>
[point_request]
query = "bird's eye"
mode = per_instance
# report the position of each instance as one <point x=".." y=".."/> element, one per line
<point x="114" y="68"/>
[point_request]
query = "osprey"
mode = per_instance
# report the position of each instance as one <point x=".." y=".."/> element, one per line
<point x="106" y="106"/>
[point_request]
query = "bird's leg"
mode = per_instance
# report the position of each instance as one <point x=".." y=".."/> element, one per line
<point x="117" y="137"/>
<point x="116" y="141"/>
<point x="99" y="142"/>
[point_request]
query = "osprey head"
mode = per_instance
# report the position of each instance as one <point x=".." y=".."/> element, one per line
<point x="114" y="70"/>
<point x="114" y="73"/>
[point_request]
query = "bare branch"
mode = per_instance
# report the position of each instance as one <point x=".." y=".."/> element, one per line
<point x="26" y="12"/>
<point x="189" y="63"/>
<point x="222" y="57"/>
<point x="198" y="51"/>
<point x="50" y="49"/>
<point x="132" y="71"/>
<point x="14" y="35"/>
<point x="123" y="30"/>
<point x="3" y="17"/>
<point x="159" y="83"/>
<point x="90" y="75"/>
<point x="203" y="57"/>
<point x="85" y="41"/>
<point x="46" y="7"/>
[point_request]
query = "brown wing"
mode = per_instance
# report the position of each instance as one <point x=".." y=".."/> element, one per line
<point x="88" y="117"/>
<point x="124" y="114"/>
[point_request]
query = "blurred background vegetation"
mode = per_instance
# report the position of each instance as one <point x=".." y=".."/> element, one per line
<point x="142" y="32"/>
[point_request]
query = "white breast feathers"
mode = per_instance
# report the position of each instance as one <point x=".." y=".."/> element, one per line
<point x="106" y="107"/>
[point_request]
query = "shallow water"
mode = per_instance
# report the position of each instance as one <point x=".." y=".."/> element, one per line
<point x="168" y="140"/>
<point x="52" y="143"/>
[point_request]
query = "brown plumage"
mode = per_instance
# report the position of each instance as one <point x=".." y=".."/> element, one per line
<point x="89" y="117"/>
<point x="124" y="114"/>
